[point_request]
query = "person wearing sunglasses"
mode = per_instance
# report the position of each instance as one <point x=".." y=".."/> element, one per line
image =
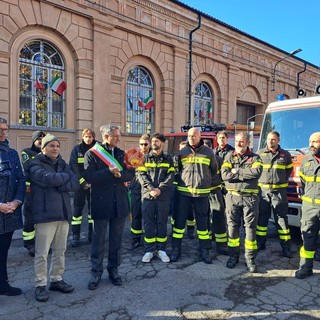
<point x="28" y="154"/>
<point x="135" y="194"/>
<point x="12" y="191"/>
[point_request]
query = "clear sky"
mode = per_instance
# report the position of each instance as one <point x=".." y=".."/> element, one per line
<point x="285" y="24"/>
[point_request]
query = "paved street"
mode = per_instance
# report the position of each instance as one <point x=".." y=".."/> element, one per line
<point x="187" y="289"/>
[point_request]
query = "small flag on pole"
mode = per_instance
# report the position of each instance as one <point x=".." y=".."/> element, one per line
<point x="209" y="111"/>
<point x="58" y="85"/>
<point x="39" y="86"/>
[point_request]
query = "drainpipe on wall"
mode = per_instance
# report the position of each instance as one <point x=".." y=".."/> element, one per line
<point x="298" y="79"/>
<point x="190" y="63"/>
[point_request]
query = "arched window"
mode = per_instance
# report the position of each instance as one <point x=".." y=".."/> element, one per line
<point x="140" y="102"/>
<point x="41" y="86"/>
<point x="203" y="108"/>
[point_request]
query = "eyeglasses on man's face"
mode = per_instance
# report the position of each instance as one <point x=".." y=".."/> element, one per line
<point x="4" y="130"/>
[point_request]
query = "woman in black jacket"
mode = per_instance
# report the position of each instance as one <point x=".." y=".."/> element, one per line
<point x="12" y="190"/>
<point x="51" y="181"/>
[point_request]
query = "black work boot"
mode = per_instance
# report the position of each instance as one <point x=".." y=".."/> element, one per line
<point x="75" y="239"/>
<point x="175" y="254"/>
<point x="232" y="261"/>
<point x="222" y="248"/>
<point x="251" y="265"/>
<point x="205" y="256"/>
<point x="286" y="248"/>
<point x="261" y="242"/>
<point x="306" y="268"/>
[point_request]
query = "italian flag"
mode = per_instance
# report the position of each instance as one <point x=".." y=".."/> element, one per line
<point x="58" y="85"/>
<point x="147" y="103"/>
<point x="209" y="111"/>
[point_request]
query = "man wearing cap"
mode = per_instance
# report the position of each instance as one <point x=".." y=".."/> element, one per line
<point x="51" y="180"/>
<point x="28" y="228"/>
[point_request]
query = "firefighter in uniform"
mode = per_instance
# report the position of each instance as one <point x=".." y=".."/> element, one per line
<point x="28" y="154"/>
<point x="191" y="220"/>
<point x="135" y="195"/>
<point x="241" y="171"/>
<point x="277" y="168"/>
<point x="77" y="164"/>
<point x="218" y="225"/>
<point x="196" y="166"/>
<point x="156" y="177"/>
<point x="310" y="218"/>
<point x="223" y="147"/>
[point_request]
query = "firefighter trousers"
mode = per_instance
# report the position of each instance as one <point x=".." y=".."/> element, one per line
<point x="276" y="202"/>
<point x="155" y="218"/>
<point x="238" y="209"/>
<point x="310" y="225"/>
<point x="217" y="217"/>
<point x="80" y="198"/>
<point x="136" y="216"/>
<point x="200" y="206"/>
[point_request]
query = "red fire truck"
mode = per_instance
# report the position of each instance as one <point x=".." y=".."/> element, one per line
<point x="209" y="131"/>
<point x="295" y="120"/>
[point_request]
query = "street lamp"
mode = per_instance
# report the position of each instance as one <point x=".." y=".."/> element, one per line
<point x="252" y="126"/>
<point x="275" y="67"/>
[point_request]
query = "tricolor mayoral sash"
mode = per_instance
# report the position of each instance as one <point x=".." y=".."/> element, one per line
<point x="106" y="157"/>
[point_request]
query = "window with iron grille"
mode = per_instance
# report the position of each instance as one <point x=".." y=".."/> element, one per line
<point x="140" y="102"/>
<point x="41" y="72"/>
<point x="203" y="108"/>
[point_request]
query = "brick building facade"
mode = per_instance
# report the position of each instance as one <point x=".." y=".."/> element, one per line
<point x="127" y="62"/>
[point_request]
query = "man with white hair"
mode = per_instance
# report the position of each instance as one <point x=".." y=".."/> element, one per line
<point x="106" y="172"/>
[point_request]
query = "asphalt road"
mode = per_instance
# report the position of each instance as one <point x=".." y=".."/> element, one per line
<point x="188" y="289"/>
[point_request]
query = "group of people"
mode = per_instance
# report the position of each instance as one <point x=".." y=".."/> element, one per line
<point x="217" y="190"/>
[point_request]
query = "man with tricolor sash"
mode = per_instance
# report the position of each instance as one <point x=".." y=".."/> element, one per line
<point x="106" y="172"/>
<point x="196" y="166"/>
<point x="276" y="169"/>
<point x="310" y="179"/>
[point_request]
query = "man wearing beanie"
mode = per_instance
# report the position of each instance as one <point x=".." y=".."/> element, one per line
<point x="51" y="181"/>
<point x="26" y="155"/>
<point x="77" y="164"/>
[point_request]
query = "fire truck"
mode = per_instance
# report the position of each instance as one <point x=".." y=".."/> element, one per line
<point x="295" y="120"/>
<point x="209" y="131"/>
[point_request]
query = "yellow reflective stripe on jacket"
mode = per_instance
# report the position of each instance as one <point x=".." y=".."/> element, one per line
<point x="275" y="166"/>
<point x="80" y="160"/>
<point x="306" y="254"/>
<point x="194" y="190"/>
<point x="198" y="160"/>
<point x="310" y="200"/>
<point x="156" y="165"/>
<point x="82" y="180"/>
<point x="273" y="186"/>
<point x="216" y="187"/>
<point x="256" y="164"/>
<point x="227" y="165"/>
<point x="28" y="235"/>
<point x="309" y="178"/>
<point x="142" y="169"/>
